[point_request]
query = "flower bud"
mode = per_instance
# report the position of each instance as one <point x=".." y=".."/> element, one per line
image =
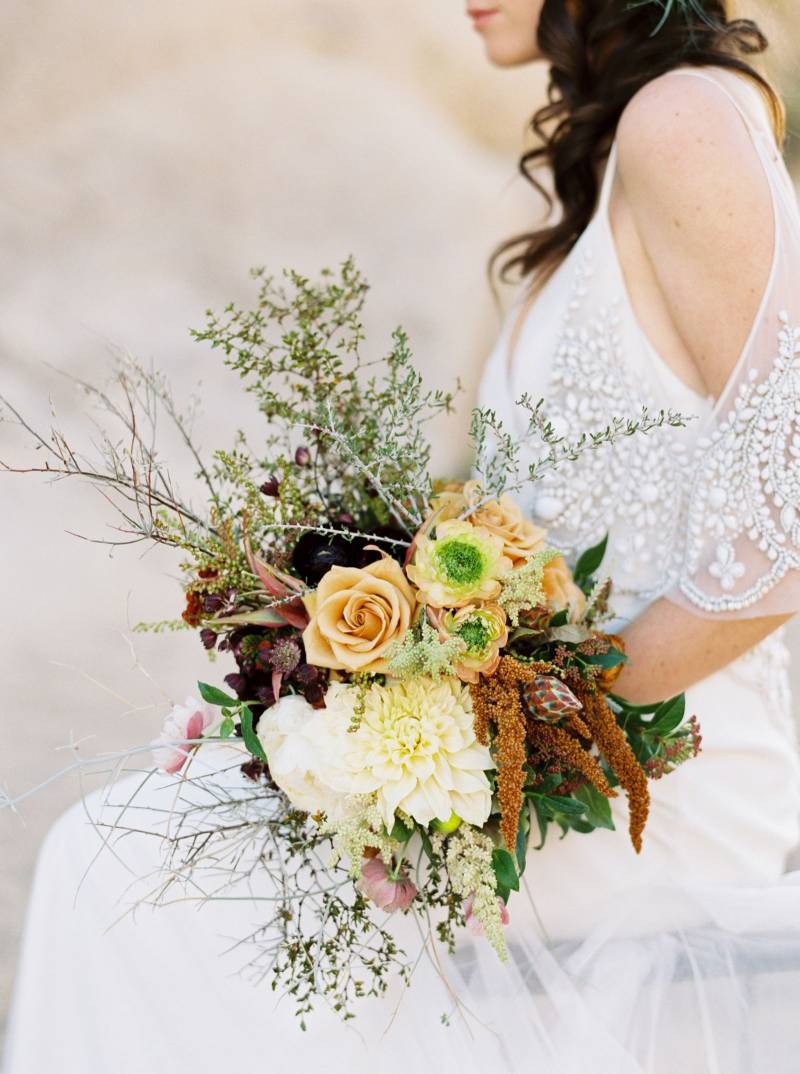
<point x="446" y="827"/>
<point x="302" y="456"/>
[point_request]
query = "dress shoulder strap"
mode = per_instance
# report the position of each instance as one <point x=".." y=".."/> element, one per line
<point x="756" y="118"/>
<point x="719" y="82"/>
<point x="608" y="179"/>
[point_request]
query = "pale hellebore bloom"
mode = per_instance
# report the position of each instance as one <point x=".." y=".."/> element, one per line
<point x="191" y="720"/>
<point x="380" y="888"/>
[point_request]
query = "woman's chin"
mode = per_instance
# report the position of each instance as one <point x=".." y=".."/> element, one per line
<point x="508" y="54"/>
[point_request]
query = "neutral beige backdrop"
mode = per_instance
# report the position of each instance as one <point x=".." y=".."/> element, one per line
<point x="152" y="153"/>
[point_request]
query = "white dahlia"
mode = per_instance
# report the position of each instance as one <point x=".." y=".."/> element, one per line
<point x="414" y="748"/>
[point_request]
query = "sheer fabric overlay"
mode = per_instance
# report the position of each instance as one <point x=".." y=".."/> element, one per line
<point x="741" y="522"/>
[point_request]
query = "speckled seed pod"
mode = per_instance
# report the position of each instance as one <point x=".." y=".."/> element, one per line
<point x="548" y="699"/>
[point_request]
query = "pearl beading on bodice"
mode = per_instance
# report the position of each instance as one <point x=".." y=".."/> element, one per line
<point x="629" y="487"/>
<point x="708" y="514"/>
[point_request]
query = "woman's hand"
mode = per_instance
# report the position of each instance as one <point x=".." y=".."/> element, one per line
<point x="670" y="649"/>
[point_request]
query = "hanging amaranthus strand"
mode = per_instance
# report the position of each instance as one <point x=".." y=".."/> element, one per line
<point x="559" y="745"/>
<point x="498" y="702"/>
<point x="614" y="746"/>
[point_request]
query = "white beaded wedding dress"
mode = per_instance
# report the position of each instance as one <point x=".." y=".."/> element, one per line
<point x="684" y="959"/>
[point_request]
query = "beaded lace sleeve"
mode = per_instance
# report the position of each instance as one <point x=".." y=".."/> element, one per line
<point x="739" y="552"/>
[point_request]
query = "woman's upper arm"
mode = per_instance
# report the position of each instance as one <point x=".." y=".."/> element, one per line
<point x="702" y="207"/>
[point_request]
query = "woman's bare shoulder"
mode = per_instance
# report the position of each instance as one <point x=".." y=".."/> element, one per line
<point x="679" y="127"/>
<point x="693" y="178"/>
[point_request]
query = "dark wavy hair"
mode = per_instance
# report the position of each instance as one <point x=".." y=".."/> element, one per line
<point x="601" y="52"/>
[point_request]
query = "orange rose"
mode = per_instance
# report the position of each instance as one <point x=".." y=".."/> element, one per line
<point x="356" y="614"/>
<point x="560" y="590"/>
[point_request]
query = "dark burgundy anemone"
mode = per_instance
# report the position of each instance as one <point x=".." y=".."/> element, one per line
<point x="315" y="553"/>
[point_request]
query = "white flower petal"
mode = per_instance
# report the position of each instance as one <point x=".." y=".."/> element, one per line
<point x="472" y="808"/>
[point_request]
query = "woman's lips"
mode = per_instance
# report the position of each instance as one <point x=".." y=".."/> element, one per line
<point x="481" y="15"/>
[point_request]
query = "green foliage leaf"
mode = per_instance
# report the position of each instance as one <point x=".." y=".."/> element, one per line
<point x="668" y="716"/>
<point x="505" y="871"/>
<point x="251" y="739"/>
<point x="542" y="820"/>
<point x="627" y="708"/>
<point x="427" y="846"/>
<point x="585" y="827"/>
<point x="590" y="561"/>
<point x="549" y="783"/>
<point x="613" y="658"/>
<point x="598" y="807"/>
<point x="226" y="728"/>
<point x="214" y="696"/>
<point x="562" y="805"/>
<point x="401" y="832"/>
<point x="522" y="837"/>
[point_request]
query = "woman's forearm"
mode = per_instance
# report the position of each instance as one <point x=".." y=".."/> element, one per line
<point x="669" y="649"/>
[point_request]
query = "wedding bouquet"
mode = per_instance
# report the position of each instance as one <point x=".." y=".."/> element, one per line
<point x="420" y="678"/>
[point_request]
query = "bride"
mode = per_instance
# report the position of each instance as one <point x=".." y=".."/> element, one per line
<point x="669" y="277"/>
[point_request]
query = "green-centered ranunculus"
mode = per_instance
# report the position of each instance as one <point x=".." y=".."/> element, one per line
<point x="483" y="630"/>
<point x="462" y="563"/>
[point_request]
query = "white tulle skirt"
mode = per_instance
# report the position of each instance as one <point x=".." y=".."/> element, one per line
<point x="684" y="960"/>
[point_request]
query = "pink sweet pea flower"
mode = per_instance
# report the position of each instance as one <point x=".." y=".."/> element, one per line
<point x="189" y="721"/>
<point x="386" y="893"/>
<point x="473" y="924"/>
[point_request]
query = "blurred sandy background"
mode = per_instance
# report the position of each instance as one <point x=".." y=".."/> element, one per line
<point x="152" y="153"/>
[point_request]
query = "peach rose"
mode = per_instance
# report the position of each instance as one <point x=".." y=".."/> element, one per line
<point x="356" y="614"/>
<point x="503" y="517"/>
<point x="560" y="590"/>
